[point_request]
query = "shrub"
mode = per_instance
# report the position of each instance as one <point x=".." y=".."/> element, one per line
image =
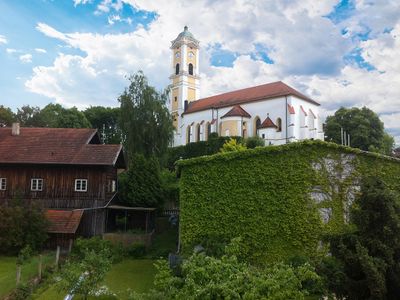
<point x="232" y="145"/>
<point x="95" y="244"/>
<point x="253" y="142"/>
<point x="136" y="250"/>
<point x="207" y="277"/>
<point x="21" y="226"/>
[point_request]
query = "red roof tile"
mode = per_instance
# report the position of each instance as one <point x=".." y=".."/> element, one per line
<point x="261" y="92"/>
<point x="56" y="146"/>
<point x="268" y="123"/>
<point x="63" y="221"/>
<point x="291" y="109"/>
<point x="237" y="111"/>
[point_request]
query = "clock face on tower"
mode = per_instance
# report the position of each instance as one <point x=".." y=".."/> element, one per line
<point x="191" y="55"/>
<point x="177" y="54"/>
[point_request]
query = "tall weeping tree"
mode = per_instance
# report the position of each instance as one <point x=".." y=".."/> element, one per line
<point x="145" y="119"/>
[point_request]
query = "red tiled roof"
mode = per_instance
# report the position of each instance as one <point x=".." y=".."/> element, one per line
<point x="237" y="111"/>
<point x="63" y="221"/>
<point x="256" y="93"/>
<point x="56" y="146"/>
<point x="291" y="109"/>
<point x="268" y="123"/>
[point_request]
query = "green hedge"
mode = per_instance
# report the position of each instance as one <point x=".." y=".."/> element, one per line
<point x="190" y="150"/>
<point x="264" y="195"/>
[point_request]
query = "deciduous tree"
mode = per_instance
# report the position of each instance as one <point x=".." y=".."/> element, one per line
<point x="364" y="126"/>
<point x="145" y="119"/>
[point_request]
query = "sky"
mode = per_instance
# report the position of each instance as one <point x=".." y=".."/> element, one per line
<point x="81" y="52"/>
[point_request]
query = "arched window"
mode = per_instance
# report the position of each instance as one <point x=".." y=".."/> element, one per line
<point x="207" y="131"/>
<point x="256" y="126"/>
<point x="244" y="129"/>
<point x="197" y="132"/>
<point x="279" y="124"/>
<point x="190" y="69"/>
<point x="188" y="134"/>
<point x="177" y="69"/>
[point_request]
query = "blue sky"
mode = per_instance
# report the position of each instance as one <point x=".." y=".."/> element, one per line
<point x="79" y="52"/>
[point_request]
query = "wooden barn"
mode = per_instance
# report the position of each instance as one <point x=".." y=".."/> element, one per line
<point x="66" y="171"/>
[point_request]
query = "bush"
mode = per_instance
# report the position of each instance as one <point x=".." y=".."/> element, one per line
<point x="136" y="250"/>
<point x="97" y="245"/>
<point x="21" y="226"/>
<point x="253" y="142"/>
<point x="190" y="150"/>
<point x="207" y="277"/>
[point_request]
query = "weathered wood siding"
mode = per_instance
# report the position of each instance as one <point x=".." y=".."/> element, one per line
<point x="58" y="185"/>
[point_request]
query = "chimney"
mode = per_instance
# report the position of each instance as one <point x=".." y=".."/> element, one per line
<point x="15" y="129"/>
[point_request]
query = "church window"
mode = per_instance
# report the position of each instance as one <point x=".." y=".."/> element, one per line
<point x="177" y="69"/>
<point x="257" y="124"/>
<point x="197" y="133"/>
<point x="188" y="134"/>
<point x="176" y="99"/>
<point x="208" y="130"/>
<point x="190" y="69"/>
<point x="279" y="124"/>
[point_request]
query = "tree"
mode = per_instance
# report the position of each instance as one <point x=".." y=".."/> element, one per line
<point x="364" y="126"/>
<point x="7" y="117"/>
<point x="371" y="254"/>
<point x="21" y="226"/>
<point x="83" y="277"/>
<point x="141" y="184"/>
<point x="145" y="120"/>
<point x="26" y="114"/>
<point x="106" y="120"/>
<point x="56" y="116"/>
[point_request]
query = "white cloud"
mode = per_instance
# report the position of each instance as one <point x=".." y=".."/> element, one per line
<point x="3" y="39"/>
<point x="40" y="50"/>
<point x="78" y="2"/>
<point x="307" y="49"/>
<point x="11" y="50"/>
<point x="26" y="58"/>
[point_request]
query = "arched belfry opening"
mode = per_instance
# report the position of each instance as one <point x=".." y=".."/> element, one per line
<point x="190" y="69"/>
<point x="177" y="69"/>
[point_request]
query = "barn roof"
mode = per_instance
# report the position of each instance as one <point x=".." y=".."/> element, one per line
<point x="63" y="221"/>
<point x="256" y="93"/>
<point x="57" y="146"/>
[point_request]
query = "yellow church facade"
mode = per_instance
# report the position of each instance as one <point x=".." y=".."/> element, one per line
<point x="275" y="112"/>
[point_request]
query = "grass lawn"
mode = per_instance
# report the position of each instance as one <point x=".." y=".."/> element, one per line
<point x="134" y="274"/>
<point x="8" y="271"/>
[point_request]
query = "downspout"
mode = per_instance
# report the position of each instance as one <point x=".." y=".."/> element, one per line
<point x="286" y="131"/>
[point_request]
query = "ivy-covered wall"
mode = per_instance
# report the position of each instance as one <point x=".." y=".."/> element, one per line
<point x="280" y="199"/>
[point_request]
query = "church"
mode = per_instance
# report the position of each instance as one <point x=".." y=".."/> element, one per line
<point x="275" y="112"/>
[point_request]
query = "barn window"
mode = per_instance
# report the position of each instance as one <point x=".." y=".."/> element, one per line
<point x="80" y="185"/>
<point x="190" y="69"/>
<point x="111" y="186"/>
<point x="3" y="184"/>
<point x="36" y="184"/>
<point x="177" y="69"/>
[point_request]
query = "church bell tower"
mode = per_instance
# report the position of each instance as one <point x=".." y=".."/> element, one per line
<point x="185" y="80"/>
